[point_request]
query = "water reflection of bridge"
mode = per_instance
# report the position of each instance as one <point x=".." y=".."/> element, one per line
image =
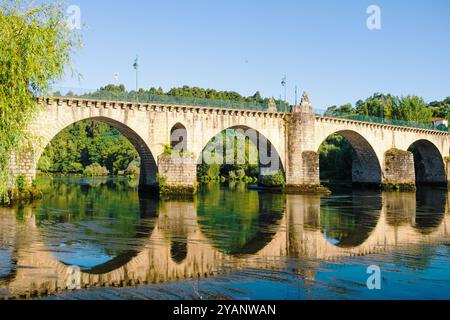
<point x="178" y="247"/>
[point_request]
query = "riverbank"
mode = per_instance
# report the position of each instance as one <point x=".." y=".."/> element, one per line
<point x="22" y="196"/>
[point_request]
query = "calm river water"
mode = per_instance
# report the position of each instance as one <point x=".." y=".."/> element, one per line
<point x="102" y="239"/>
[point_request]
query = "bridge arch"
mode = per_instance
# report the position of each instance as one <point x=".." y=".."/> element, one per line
<point x="428" y="162"/>
<point x="149" y="167"/>
<point x="269" y="159"/>
<point x="366" y="168"/>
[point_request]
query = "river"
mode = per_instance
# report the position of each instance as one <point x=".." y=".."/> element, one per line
<point x="99" y="238"/>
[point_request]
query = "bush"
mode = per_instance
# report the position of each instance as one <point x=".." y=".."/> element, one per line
<point x="96" y="170"/>
<point x="232" y="175"/>
<point x="133" y="169"/>
<point x="73" y="168"/>
<point x="240" y="173"/>
<point x="21" y="183"/>
<point x="252" y="170"/>
<point x="275" y="180"/>
<point x="213" y="171"/>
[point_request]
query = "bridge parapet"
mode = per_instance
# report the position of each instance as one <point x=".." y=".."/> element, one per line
<point x="377" y="125"/>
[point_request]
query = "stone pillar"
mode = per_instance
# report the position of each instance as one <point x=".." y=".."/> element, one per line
<point x="177" y="175"/>
<point x="22" y="164"/>
<point x="303" y="170"/>
<point x="399" y="171"/>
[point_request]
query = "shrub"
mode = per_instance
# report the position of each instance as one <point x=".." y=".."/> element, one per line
<point x="213" y="170"/>
<point x="133" y="169"/>
<point x="275" y="180"/>
<point x="168" y="150"/>
<point x="96" y="170"/>
<point x="240" y="173"/>
<point x="21" y="183"/>
<point x="252" y="170"/>
<point x="73" y="168"/>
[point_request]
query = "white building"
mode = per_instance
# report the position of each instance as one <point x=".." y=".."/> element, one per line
<point x="440" y="122"/>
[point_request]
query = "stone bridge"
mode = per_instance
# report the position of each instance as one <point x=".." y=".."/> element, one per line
<point x="383" y="154"/>
<point x="298" y="233"/>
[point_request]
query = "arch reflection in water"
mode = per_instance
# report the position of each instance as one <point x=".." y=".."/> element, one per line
<point x="347" y="221"/>
<point x="187" y="240"/>
<point x="242" y="226"/>
<point x="431" y="204"/>
<point x="86" y="220"/>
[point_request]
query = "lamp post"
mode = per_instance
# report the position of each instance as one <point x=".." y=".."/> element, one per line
<point x="284" y="85"/>
<point x="296" y="95"/>
<point x="136" y="67"/>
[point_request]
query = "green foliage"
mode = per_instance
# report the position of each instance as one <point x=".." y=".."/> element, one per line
<point x="184" y="95"/>
<point x="414" y="109"/>
<point x="85" y="143"/>
<point x="232" y="175"/>
<point x="336" y="159"/>
<point x="378" y="105"/>
<point x="275" y="180"/>
<point x="168" y="150"/>
<point x="35" y="47"/>
<point x="134" y="168"/>
<point x="245" y="167"/>
<point x="21" y="183"/>
<point x="441" y="109"/>
<point x="96" y="170"/>
<point x="410" y="108"/>
<point x="162" y="182"/>
<point x="334" y="110"/>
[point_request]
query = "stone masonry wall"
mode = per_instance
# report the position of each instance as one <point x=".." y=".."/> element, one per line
<point x="22" y="164"/>
<point x="399" y="167"/>
<point x="311" y="167"/>
<point x="303" y="161"/>
<point x="178" y="174"/>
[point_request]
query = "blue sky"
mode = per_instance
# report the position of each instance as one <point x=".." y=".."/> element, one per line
<point x="324" y="47"/>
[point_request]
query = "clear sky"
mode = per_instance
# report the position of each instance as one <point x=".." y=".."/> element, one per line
<point x="324" y="47"/>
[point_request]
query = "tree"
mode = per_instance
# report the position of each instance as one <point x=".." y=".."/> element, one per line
<point x="378" y="105"/>
<point x="414" y="109"/>
<point x="336" y="111"/>
<point x="35" y="47"/>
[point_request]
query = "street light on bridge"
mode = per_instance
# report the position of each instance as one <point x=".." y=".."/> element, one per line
<point x="136" y="67"/>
